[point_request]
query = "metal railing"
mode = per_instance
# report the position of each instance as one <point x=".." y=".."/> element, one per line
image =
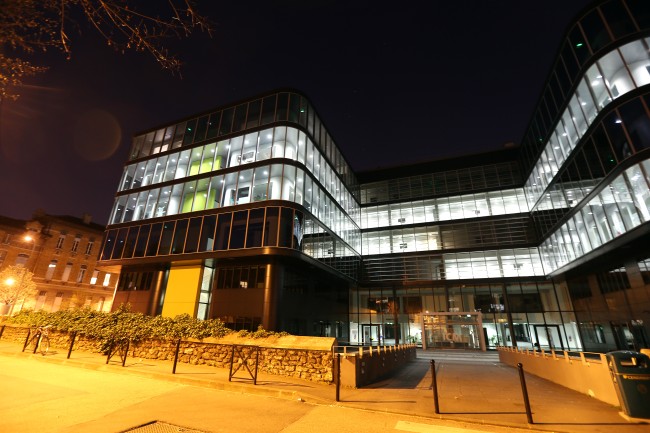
<point x="567" y="355"/>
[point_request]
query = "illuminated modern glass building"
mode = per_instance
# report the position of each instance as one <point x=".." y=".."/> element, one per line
<point x="250" y="213"/>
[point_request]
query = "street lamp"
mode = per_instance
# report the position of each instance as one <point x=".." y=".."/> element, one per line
<point x="10" y="282"/>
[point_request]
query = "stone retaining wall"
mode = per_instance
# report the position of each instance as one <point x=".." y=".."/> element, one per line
<point x="58" y="340"/>
<point x="308" y="358"/>
<point x="312" y="365"/>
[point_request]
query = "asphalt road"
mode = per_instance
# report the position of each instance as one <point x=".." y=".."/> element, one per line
<point x="45" y="397"/>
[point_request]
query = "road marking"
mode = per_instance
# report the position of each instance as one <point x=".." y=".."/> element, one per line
<point x="417" y="427"/>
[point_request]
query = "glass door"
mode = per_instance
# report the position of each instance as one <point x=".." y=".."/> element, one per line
<point x="370" y="334"/>
<point x="453" y="331"/>
<point x="548" y="336"/>
<point x="623" y="336"/>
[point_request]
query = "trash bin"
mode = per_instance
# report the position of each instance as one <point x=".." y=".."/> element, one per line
<point x="631" y="375"/>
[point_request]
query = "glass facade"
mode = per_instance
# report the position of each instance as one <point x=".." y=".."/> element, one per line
<point x="616" y="208"/>
<point x="277" y="227"/>
<point x="251" y="214"/>
<point x="219" y="179"/>
<point x="467" y="316"/>
<point x="467" y="206"/>
<point x="261" y="182"/>
<point x="278" y="107"/>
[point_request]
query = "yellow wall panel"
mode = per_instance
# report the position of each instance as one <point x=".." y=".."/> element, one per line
<point x="187" y="202"/>
<point x="182" y="291"/>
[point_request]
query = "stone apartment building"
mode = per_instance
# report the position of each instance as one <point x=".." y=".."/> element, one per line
<point x="61" y="252"/>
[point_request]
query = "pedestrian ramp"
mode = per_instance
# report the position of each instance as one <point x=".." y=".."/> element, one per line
<point x="459" y="356"/>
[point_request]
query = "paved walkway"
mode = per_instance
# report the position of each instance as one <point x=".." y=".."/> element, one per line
<point x="486" y="392"/>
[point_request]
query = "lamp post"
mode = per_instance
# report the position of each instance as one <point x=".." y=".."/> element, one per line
<point x="32" y="239"/>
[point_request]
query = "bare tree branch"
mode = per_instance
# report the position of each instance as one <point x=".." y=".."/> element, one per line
<point x="12" y="72"/>
<point x="27" y="26"/>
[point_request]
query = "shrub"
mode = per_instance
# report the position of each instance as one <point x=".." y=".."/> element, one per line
<point x="121" y="325"/>
<point x="261" y="333"/>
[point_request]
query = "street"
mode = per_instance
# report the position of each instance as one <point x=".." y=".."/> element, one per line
<point x="40" y="396"/>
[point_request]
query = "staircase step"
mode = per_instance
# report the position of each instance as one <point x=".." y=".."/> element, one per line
<point x="465" y="356"/>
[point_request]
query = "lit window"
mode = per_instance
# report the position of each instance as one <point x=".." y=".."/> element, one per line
<point x="50" y="270"/>
<point x="107" y="280"/>
<point x="66" y="272"/>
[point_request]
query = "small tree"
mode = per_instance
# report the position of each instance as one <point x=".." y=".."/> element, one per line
<point x="16" y="284"/>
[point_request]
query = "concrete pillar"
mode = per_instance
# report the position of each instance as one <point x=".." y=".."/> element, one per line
<point x="155" y="296"/>
<point x="272" y="288"/>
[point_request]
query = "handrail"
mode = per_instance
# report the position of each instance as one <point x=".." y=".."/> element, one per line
<point x="567" y="355"/>
<point x="362" y="351"/>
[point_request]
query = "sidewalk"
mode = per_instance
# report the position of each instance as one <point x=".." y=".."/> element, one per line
<point x="487" y="393"/>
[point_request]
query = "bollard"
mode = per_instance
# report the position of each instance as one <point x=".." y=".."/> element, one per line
<point x="110" y="352"/>
<point x="338" y="376"/>
<point x="232" y="361"/>
<point x="73" y="335"/>
<point x="178" y="347"/>
<point x="257" y="362"/>
<point x="434" y="385"/>
<point x="37" y="337"/>
<point x="522" y="379"/>
<point x="29" y="333"/>
<point x="126" y="352"/>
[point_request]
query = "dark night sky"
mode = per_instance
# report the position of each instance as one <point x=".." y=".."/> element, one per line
<point x="394" y="85"/>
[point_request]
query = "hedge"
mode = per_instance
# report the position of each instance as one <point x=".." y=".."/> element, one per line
<point x="121" y="325"/>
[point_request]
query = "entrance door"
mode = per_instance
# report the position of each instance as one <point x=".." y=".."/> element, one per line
<point x="639" y="334"/>
<point x="370" y="334"/>
<point x="623" y="336"/>
<point x="453" y="331"/>
<point x="549" y="336"/>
